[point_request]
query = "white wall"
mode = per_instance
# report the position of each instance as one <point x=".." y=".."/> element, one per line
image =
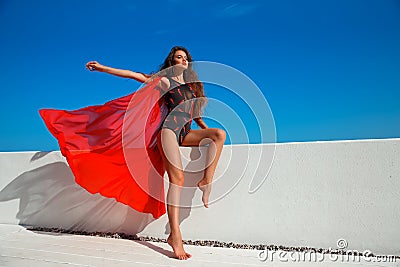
<point x="315" y="193"/>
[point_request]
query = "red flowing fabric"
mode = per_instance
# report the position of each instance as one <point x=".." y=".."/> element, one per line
<point x="111" y="148"/>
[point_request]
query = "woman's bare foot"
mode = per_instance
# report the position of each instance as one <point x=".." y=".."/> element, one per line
<point x="175" y="241"/>
<point x="206" y="188"/>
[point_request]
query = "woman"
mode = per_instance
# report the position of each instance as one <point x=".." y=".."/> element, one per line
<point x="180" y="88"/>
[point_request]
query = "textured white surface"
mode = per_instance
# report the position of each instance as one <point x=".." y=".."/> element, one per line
<point x="315" y="194"/>
<point x="20" y="247"/>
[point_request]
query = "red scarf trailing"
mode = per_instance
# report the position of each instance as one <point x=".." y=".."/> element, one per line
<point x="111" y="148"/>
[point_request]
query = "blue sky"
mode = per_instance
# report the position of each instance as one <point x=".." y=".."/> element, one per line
<point x="328" y="69"/>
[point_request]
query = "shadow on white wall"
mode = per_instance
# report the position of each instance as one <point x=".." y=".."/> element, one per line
<point x="50" y="197"/>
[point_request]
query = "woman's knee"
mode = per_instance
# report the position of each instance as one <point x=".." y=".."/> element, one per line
<point x="220" y="135"/>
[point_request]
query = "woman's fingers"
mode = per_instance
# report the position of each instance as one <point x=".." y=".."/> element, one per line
<point x="91" y="65"/>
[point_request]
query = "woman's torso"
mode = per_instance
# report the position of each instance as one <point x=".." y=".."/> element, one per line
<point x="178" y="96"/>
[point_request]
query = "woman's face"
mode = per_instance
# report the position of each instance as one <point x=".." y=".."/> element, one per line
<point x="180" y="57"/>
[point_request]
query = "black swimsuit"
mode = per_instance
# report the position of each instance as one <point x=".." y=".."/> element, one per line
<point x="180" y="109"/>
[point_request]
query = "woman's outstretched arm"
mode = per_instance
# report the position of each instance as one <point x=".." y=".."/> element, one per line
<point x="138" y="76"/>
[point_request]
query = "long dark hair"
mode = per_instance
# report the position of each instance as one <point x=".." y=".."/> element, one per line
<point x="189" y="75"/>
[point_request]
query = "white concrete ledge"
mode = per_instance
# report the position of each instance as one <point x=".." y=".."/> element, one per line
<point x="315" y="194"/>
<point x="20" y="247"/>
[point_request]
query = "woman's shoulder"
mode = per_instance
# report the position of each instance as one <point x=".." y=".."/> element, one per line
<point x="158" y="81"/>
<point x="164" y="83"/>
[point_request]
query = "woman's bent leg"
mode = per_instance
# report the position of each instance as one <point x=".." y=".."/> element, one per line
<point x="215" y="139"/>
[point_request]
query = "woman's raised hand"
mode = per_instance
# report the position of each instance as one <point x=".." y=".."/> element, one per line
<point x="94" y="65"/>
